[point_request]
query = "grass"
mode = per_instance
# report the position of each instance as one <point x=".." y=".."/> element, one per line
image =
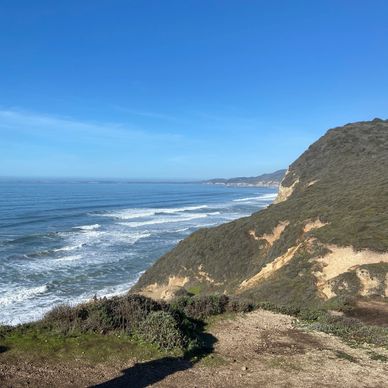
<point x="179" y="329"/>
<point x="378" y="357"/>
<point x="119" y="328"/>
<point x="351" y="330"/>
<point x="212" y="361"/>
<point x="284" y="363"/>
<point x="345" y="356"/>
<point x="35" y="345"/>
<point x="194" y="290"/>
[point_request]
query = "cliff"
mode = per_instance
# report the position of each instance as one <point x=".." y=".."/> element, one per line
<point x="324" y="238"/>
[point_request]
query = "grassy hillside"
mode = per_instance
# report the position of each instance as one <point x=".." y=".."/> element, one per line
<point x="332" y="210"/>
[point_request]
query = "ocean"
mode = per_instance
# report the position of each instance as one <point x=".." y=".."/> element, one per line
<point x="67" y="241"/>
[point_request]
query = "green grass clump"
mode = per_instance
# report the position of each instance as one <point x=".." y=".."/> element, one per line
<point x="345" y="356"/>
<point x="378" y="357"/>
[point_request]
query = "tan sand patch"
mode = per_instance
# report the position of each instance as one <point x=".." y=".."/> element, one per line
<point x="341" y="260"/>
<point x="165" y="291"/>
<point x="313" y="225"/>
<point x="269" y="268"/>
<point x="285" y="192"/>
<point x="271" y="238"/>
<point x="203" y="275"/>
<point x="386" y="285"/>
<point x="368" y="283"/>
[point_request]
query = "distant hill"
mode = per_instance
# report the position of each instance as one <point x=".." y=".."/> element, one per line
<point x="324" y="239"/>
<point x="265" y="180"/>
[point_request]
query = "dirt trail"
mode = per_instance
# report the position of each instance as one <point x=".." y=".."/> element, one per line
<point x="259" y="349"/>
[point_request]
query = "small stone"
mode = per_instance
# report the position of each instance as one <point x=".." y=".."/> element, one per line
<point x="244" y="368"/>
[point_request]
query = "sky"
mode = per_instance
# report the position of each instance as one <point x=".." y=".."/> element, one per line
<point x="164" y="89"/>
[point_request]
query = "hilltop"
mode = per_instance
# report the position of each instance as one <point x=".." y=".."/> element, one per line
<point x="264" y="180"/>
<point x="323" y="240"/>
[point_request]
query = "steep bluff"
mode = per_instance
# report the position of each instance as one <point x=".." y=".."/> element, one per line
<point x="324" y="237"/>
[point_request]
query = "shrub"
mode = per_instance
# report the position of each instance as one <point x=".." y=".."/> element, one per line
<point x="237" y="305"/>
<point x="282" y="309"/>
<point x="352" y="330"/>
<point x="311" y="314"/>
<point x="162" y="329"/>
<point x="204" y="306"/>
<point x="130" y="310"/>
<point x="62" y="318"/>
<point x="102" y="315"/>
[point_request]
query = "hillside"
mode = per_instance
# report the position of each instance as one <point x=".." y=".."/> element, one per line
<point x="265" y="180"/>
<point x="323" y="239"/>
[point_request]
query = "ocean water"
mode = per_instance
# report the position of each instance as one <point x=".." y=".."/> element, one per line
<point x="64" y="242"/>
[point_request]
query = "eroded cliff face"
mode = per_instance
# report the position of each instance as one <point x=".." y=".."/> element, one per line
<point x="285" y="191"/>
<point x="324" y="237"/>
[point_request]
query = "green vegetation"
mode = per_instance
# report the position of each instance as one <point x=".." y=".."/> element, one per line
<point x="105" y="329"/>
<point x="345" y="356"/>
<point x="160" y="327"/>
<point x="351" y="330"/>
<point x="340" y="180"/>
<point x="378" y="357"/>
<point x="34" y="344"/>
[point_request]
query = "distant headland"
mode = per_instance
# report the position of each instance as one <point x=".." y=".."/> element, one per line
<point x="265" y="180"/>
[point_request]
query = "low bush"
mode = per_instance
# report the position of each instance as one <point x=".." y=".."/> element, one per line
<point x="352" y="330"/>
<point x="239" y="305"/>
<point x="102" y="315"/>
<point x="282" y="309"/>
<point x="162" y="329"/>
<point x="204" y="306"/>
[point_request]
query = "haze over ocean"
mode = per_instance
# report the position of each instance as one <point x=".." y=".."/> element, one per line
<point x="65" y="241"/>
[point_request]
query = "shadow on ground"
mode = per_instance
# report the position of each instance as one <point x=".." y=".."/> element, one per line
<point x="150" y="372"/>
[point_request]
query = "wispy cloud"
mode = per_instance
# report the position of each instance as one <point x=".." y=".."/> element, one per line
<point x="50" y="125"/>
<point x="152" y="115"/>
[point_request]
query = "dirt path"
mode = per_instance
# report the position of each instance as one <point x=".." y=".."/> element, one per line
<point x="260" y="349"/>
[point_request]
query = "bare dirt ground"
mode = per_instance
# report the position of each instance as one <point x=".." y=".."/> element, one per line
<point x="259" y="349"/>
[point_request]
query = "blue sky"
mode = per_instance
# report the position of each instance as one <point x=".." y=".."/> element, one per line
<point x="182" y="89"/>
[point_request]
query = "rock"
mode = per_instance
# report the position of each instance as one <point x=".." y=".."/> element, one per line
<point x="244" y="368"/>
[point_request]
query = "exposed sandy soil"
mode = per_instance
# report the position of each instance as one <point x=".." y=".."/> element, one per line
<point x="344" y="259"/>
<point x="311" y="225"/>
<point x="165" y="291"/>
<point x="260" y="349"/>
<point x="269" y="269"/>
<point x="271" y="238"/>
<point x="285" y="192"/>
